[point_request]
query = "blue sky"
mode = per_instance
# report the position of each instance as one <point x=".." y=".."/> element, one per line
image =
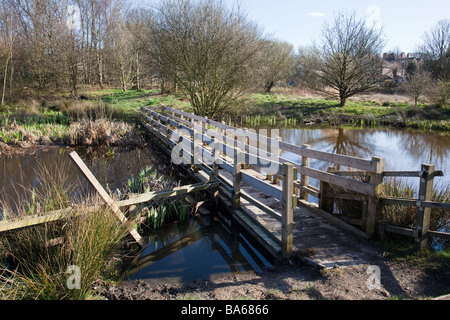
<point x="300" y="21"/>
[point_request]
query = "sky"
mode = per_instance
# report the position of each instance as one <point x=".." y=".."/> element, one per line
<point x="299" y="22"/>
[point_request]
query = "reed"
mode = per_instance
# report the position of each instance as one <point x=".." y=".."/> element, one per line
<point x="88" y="110"/>
<point x="158" y="212"/>
<point x="38" y="258"/>
<point x="402" y="216"/>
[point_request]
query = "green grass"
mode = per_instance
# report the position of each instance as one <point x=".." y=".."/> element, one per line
<point x="281" y="108"/>
<point x="131" y="101"/>
<point x="355" y="112"/>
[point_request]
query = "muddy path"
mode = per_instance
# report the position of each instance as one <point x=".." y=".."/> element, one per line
<point x="293" y="280"/>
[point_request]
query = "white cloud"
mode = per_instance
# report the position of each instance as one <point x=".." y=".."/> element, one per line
<point x="316" y="14"/>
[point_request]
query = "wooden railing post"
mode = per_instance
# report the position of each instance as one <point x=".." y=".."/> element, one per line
<point x="377" y="180"/>
<point x="304" y="180"/>
<point x="236" y="196"/>
<point x="215" y="157"/>
<point x="287" y="217"/>
<point x="423" y="214"/>
<point x="195" y="159"/>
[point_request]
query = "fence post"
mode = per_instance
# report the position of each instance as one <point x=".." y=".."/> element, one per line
<point x="287" y="218"/>
<point x="195" y="150"/>
<point x="236" y="196"/>
<point x="377" y="180"/>
<point x="423" y="214"/>
<point x="304" y="180"/>
<point x="215" y="157"/>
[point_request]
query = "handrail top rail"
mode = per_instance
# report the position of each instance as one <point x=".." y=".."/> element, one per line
<point x="350" y="161"/>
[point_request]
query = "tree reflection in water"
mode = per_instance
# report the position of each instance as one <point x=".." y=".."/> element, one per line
<point x="402" y="150"/>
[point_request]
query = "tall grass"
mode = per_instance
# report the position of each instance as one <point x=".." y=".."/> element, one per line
<point x="75" y="123"/>
<point x="103" y="132"/>
<point x="402" y="216"/>
<point x="407" y="216"/>
<point x="88" y="110"/>
<point x="39" y="257"/>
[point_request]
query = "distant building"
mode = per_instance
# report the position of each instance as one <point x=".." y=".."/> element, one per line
<point x="396" y="64"/>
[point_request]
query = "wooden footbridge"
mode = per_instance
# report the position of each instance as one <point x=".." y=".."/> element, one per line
<point x="268" y="194"/>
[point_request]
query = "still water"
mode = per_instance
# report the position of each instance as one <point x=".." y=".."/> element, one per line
<point x="402" y="150"/>
<point x="206" y="246"/>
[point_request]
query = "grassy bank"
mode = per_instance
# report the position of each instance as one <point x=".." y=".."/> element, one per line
<point x="71" y="123"/>
<point x="291" y="109"/>
<point x="51" y="116"/>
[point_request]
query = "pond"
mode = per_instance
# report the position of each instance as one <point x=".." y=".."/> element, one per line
<point x="402" y="150"/>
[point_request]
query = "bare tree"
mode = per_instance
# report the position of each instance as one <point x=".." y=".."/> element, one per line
<point x="436" y="50"/>
<point x="277" y="64"/>
<point x="417" y="83"/>
<point x="8" y="35"/>
<point x="348" y="59"/>
<point x="209" y="50"/>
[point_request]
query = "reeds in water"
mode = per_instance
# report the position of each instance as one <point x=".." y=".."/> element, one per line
<point x="39" y="261"/>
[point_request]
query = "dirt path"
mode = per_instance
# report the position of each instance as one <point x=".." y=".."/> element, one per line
<point x="296" y="281"/>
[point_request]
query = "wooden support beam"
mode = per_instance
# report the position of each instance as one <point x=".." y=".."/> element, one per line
<point x="376" y="179"/>
<point x="325" y="202"/>
<point x="287" y="205"/>
<point x="236" y="180"/>
<point x="423" y="214"/>
<point x="105" y="196"/>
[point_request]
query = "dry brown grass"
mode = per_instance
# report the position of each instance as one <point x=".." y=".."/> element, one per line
<point x="103" y="131"/>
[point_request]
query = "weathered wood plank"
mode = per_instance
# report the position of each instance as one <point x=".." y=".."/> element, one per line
<point x="261" y="185"/>
<point x="434" y="205"/>
<point x="309" y="190"/>
<point x="13" y="224"/>
<point x="151" y="196"/>
<point x="403" y="231"/>
<point x="376" y="179"/>
<point x="237" y="177"/>
<point x="358" y="186"/>
<point x="424" y="213"/>
<point x="362" y="164"/>
<point x="437" y="234"/>
<point x="304" y="180"/>
<point x="398" y="201"/>
<point x="287" y="208"/>
<point x="105" y="196"/>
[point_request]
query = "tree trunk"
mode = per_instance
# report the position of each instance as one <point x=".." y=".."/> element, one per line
<point x="343" y="100"/>
<point x="269" y="86"/>
<point x="138" y="85"/>
<point x="4" y="81"/>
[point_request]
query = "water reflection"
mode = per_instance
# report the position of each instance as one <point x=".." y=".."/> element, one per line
<point x="206" y="247"/>
<point x="402" y="150"/>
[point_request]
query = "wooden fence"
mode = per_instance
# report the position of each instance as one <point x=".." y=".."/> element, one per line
<point x="239" y="147"/>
